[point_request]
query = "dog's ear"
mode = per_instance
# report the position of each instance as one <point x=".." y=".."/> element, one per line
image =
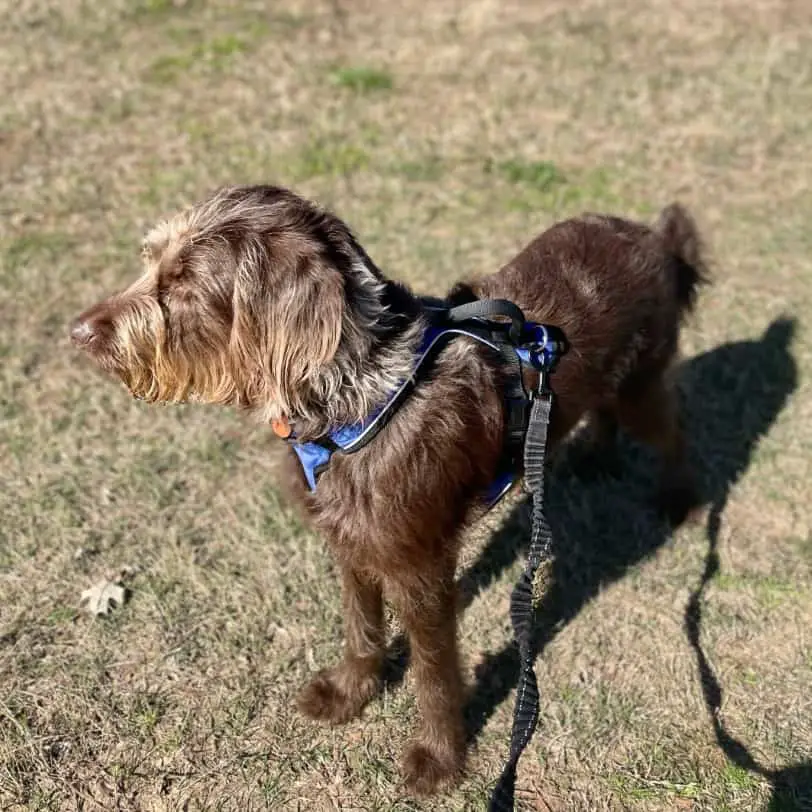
<point x="306" y="323"/>
<point x="288" y="316"/>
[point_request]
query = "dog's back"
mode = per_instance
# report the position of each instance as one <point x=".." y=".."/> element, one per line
<point x="619" y="289"/>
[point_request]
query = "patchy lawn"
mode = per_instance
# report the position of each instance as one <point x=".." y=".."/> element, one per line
<point x="677" y="671"/>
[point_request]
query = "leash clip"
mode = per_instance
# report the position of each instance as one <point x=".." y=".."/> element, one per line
<point x="543" y="388"/>
<point x="538" y="354"/>
<point x="543" y="350"/>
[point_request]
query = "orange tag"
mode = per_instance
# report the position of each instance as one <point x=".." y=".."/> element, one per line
<point x="281" y="427"/>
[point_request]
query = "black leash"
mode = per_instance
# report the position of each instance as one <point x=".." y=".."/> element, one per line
<point x="522" y="611"/>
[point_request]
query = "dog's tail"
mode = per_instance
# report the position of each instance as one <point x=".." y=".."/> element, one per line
<point x="681" y="239"/>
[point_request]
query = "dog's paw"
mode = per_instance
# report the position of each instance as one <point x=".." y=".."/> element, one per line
<point x="679" y="502"/>
<point x="337" y="695"/>
<point x="427" y="770"/>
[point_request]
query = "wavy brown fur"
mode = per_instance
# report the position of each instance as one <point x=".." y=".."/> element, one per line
<point x="259" y="299"/>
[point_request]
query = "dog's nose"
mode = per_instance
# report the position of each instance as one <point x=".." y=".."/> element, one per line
<point x="82" y="332"/>
<point x="93" y="327"/>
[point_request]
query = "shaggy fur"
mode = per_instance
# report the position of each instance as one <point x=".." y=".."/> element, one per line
<point x="257" y="298"/>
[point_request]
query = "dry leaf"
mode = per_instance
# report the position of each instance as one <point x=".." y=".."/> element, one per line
<point x="103" y="597"/>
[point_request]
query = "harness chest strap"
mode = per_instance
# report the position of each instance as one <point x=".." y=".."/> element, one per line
<point x="520" y="343"/>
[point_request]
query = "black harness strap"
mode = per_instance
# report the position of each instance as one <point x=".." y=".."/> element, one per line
<point x="507" y="339"/>
<point x="522" y="611"/>
<point x="483" y="308"/>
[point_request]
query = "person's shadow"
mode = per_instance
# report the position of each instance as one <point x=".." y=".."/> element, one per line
<point x="730" y="397"/>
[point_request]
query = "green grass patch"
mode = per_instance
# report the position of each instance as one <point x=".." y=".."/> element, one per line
<point x="213" y="54"/>
<point x="361" y="79"/>
<point x="532" y="186"/>
<point x="217" y="451"/>
<point x="146" y="712"/>
<point x="768" y="590"/>
<point x="162" y="191"/>
<point x="738" y="779"/>
<point x="328" y="157"/>
<point x="541" y="175"/>
<point x="159" y="10"/>
<point x="60" y="615"/>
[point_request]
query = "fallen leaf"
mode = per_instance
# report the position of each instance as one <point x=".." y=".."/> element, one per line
<point x="103" y="597"/>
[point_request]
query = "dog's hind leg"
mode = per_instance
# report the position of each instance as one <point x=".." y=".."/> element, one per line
<point x="649" y="413"/>
<point x="340" y="693"/>
<point x="593" y="454"/>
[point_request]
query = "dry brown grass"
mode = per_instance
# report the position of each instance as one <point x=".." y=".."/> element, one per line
<point x="427" y="127"/>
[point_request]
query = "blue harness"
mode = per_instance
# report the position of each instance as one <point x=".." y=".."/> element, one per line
<point x="521" y="343"/>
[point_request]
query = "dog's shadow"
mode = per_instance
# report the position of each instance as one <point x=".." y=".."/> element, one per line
<point x="759" y="378"/>
<point x="604" y="526"/>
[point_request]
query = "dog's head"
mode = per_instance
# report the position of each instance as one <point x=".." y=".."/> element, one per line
<point x="253" y="297"/>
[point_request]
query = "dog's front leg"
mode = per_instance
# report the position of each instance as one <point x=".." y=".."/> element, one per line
<point x="339" y="694"/>
<point x="429" y="614"/>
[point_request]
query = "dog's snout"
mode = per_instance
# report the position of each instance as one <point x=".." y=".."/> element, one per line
<point x="93" y="328"/>
<point x="82" y="332"/>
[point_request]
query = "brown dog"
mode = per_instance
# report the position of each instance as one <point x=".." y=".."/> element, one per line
<point x="257" y="298"/>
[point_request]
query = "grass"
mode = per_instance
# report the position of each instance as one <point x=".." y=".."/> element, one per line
<point x="324" y="157"/>
<point x="541" y="175"/>
<point x="213" y="53"/>
<point x="362" y="80"/>
<point x="447" y="135"/>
